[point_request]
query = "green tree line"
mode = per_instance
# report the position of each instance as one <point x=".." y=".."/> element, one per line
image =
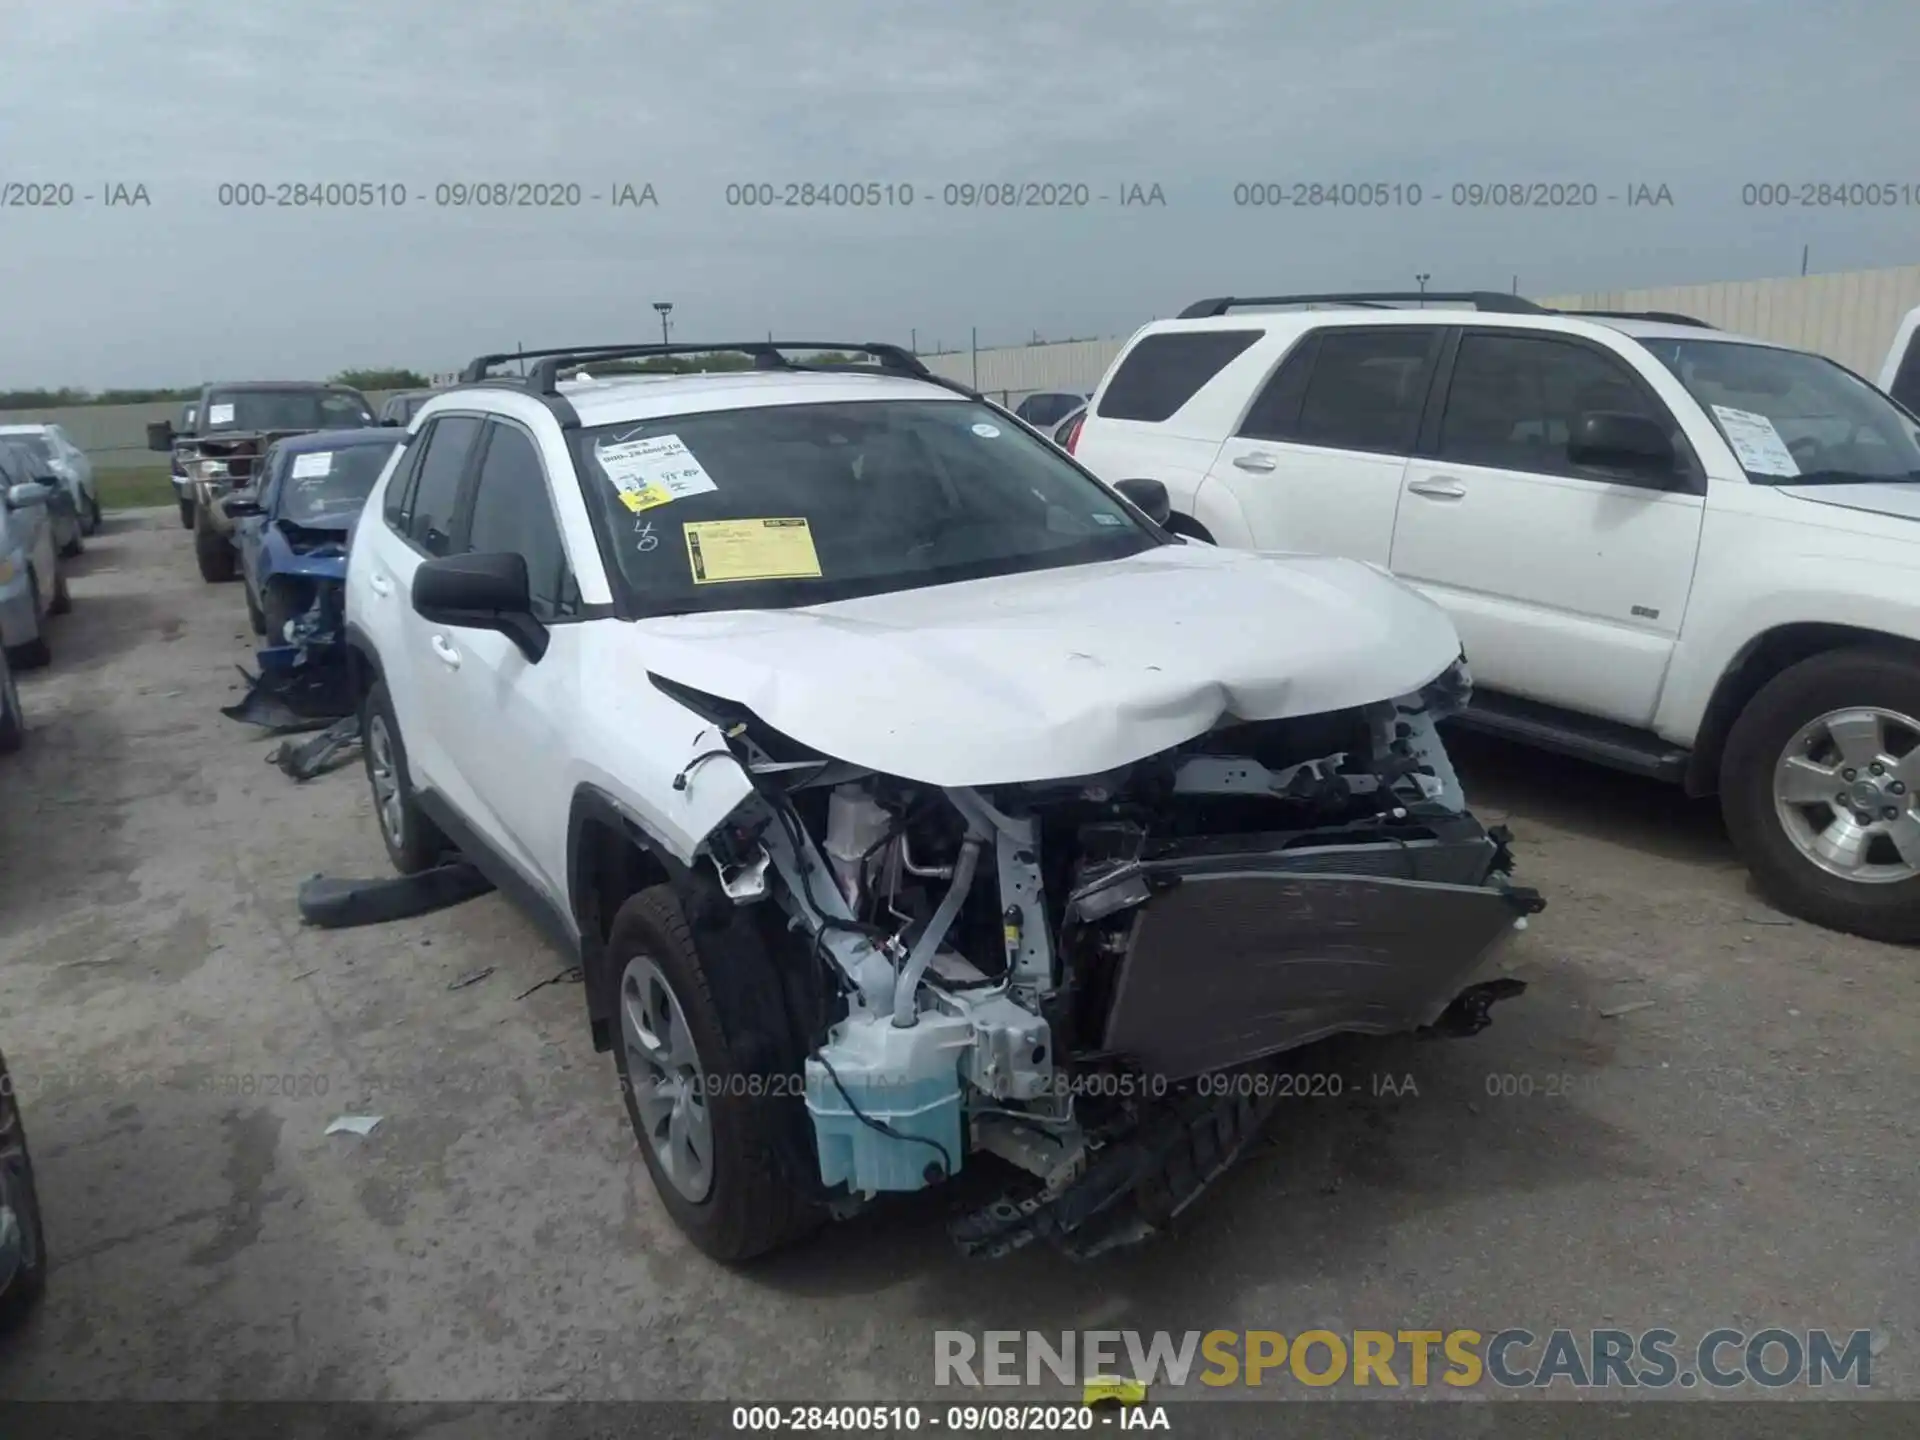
<point x="67" y="395"/>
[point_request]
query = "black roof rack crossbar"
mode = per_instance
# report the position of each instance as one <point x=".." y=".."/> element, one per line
<point x="1491" y="300"/>
<point x="547" y="365"/>
<point x="1665" y="317"/>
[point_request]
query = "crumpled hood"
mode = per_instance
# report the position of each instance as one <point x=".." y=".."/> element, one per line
<point x="1897" y="498"/>
<point x="1064" y="672"/>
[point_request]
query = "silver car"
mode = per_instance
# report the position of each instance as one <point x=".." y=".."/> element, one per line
<point x="55" y="454"/>
<point x="32" y="583"/>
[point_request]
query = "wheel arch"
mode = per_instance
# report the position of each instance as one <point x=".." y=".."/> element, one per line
<point x="1758" y="661"/>
<point x="609" y="858"/>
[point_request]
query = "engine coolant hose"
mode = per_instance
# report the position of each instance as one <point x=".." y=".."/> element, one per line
<point x="905" y="1012"/>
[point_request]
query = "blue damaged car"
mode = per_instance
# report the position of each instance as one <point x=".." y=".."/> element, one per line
<point x="291" y="530"/>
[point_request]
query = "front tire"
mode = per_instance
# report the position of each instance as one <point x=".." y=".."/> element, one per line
<point x="707" y="1063"/>
<point x="254" y="616"/>
<point x="18" y="1195"/>
<point x="212" y="551"/>
<point x="13" y="719"/>
<point x="1818" y="785"/>
<point x="414" y="843"/>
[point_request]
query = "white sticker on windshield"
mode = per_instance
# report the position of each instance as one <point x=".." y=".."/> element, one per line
<point x="1100" y="517"/>
<point x="314" y="465"/>
<point x="653" y="472"/>
<point x="220" y="414"/>
<point x="986" y="431"/>
<point x="1756" y="444"/>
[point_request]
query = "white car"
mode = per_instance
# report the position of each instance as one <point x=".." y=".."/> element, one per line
<point x="904" y="793"/>
<point x="33" y="584"/>
<point x="54" y="448"/>
<point x="1676" y="551"/>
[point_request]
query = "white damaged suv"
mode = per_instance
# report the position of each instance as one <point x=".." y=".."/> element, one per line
<point x="906" y="795"/>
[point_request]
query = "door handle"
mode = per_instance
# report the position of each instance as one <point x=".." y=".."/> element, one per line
<point x="1439" y="487"/>
<point x="449" y="656"/>
<point x="1256" y="461"/>
<point x="380" y="583"/>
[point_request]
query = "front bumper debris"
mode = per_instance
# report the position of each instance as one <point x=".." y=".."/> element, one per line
<point x="1241" y="951"/>
<point x="307" y="683"/>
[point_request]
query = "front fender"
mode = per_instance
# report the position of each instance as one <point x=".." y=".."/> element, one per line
<point x="1726" y="620"/>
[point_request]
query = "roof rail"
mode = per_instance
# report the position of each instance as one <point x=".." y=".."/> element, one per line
<point x="1490" y="300"/>
<point x="544" y="376"/>
<point x="1666" y="317"/>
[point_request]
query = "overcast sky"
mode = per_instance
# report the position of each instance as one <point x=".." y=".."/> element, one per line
<point x="1701" y="96"/>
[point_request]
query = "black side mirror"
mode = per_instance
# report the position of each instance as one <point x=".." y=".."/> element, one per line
<point x="160" y="435"/>
<point x="481" y="592"/>
<point x="241" y="504"/>
<point x="1616" y="440"/>
<point x="1151" y="497"/>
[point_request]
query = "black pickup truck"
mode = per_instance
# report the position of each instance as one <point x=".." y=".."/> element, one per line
<point x="233" y="426"/>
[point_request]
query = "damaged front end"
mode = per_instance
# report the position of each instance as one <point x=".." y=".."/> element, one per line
<point x="1054" y="973"/>
<point x="305" y="681"/>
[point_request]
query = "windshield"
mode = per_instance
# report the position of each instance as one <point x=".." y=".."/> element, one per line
<point x="326" y="488"/>
<point x="286" y="410"/>
<point x="801" y="504"/>
<point x="33" y="450"/>
<point x="1793" y="418"/>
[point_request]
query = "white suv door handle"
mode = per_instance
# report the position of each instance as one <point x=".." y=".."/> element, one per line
<point x="1438" y="487"/>
<point x="1257" y="462"/>
<point x="380" y="583"/>
<point x="449" y="656"/>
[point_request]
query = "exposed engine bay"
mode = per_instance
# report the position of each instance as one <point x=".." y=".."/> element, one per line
<point x="1051" y="972"/>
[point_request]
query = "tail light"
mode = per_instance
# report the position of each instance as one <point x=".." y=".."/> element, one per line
<point x="1073" y="432"/>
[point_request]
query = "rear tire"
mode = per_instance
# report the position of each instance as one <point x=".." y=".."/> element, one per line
<point x="74" y="546"/>
<point x="254" y="618"/>
<point x="186" y="512"/>
<point x="1838" y="681"/>
<point x="757" y="1198"/>
<point x="212" y="551"/>
<point x="414" y="843"/>
<point x="34" y="653"/>
<point x="62" y="596"/>
<point x="91" y="525"/>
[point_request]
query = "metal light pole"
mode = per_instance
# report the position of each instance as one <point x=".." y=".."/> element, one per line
<point x="664" y="307"/>
<point x="1423" y="277"/>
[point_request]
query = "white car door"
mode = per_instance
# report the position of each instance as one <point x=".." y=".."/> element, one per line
<point x="501" y="731"/>
<point x="1567" y="580"/>
<point x="1317" y="460"/>
<point x="416" y="523"/>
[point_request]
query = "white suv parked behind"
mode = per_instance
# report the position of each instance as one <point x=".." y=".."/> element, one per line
<point x="900" y="788"/>
<point x="1668" y="549"/>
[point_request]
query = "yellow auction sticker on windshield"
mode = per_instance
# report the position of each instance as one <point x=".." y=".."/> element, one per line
<point x="719" y="550"/>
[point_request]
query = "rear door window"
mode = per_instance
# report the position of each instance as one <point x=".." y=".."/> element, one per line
<point x="1163" y="372"/>
<point x="1350" y="388"/>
